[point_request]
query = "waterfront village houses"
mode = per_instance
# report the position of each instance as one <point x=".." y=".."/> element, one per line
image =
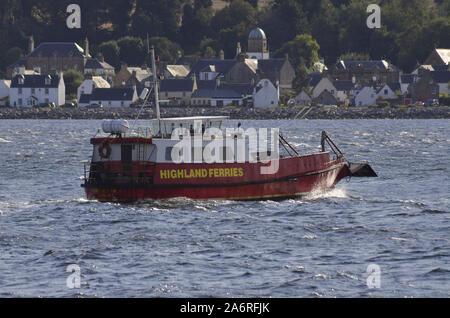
<point x="89" y="84"/>
<point x="110" y="97"/>
<point x="55" y="57"/>
<point x="30" y="90"/>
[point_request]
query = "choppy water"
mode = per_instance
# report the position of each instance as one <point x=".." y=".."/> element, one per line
<point x="316" y="246"/>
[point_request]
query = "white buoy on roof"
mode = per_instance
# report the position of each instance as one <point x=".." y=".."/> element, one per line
<point x="115" y="126"/>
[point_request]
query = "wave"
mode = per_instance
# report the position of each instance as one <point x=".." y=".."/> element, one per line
<point x="4" y="140"/>
<point x="318" y="194"/>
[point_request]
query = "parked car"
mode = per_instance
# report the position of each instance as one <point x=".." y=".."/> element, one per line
<point x="419" y="103"/>
<point x="69" y="105"/>
<point x="94" y="105"/>
<point x="146" y="105"/>
<point x="433" y="102"/>
<point x="43" y="105"/>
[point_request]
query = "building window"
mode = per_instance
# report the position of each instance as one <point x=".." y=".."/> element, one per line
<point x="122" y="103"/>
<point x="19" y="101"/>
<point x="385" y="92"/>
<point x="33" y="91"/>
<point x="47" y="100"/>
<point x="46" y="91"/>
<point x="20" y="90"/>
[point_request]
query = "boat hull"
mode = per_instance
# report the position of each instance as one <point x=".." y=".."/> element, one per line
<point x="292" y="179"/>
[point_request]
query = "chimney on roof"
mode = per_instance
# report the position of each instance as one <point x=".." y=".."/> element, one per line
<point x="100" y="57"/>
<point x="30" y="44"/>
<point x="241" y="57"/>
<point x="86" y="47"/>
<point x="286" y="56"/>
<point x="221" y="55"/>
<point x="238" y="48"/>
<point x="217" y="81"/>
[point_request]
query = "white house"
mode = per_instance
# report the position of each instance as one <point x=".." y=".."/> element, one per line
<point x="90" y="83"/>
<point x="30" y="90"/>
<point x="302" y="99"/>
<point x="386" y="92"/>
<point x="110" y="97"/>
<point x="366" y="96"/>
<point x="265" y="94"/>
<point x="216" y="97"/>
<point x="4" y="91"/>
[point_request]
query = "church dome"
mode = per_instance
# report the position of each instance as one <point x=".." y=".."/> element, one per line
<point x="257" y="34"/>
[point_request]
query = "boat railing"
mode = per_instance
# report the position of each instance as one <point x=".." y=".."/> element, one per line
<point x="97" y="174"/>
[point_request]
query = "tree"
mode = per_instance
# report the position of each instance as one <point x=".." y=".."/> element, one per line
<point x="132" y="51"/>
<point x="302" y="50"/>
<point x="165" y="49"/>
<point x="72" y="80"/>
<point x="111" y="52"/>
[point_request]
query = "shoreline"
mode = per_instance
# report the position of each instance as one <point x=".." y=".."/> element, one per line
<point x="414" y="112"/>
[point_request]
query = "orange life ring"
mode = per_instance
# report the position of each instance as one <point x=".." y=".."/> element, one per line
<point x="101" y="150"/>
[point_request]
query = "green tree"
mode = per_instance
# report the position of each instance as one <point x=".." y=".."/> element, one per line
<point x="165" y="49"/>
<point x="72" y="80"/>
<point x="302" y="50"/>
<point x="111" y="52"/>
<point x="132" y="50"/>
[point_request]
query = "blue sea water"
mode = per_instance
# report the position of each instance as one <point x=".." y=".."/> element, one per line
<point x="316" y="246"/>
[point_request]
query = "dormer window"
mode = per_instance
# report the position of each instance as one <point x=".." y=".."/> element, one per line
<point x="21" y="80"/>
<point x="48" y="80"/>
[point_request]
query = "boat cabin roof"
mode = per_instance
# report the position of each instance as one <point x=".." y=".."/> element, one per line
<point x="197" y="123"/>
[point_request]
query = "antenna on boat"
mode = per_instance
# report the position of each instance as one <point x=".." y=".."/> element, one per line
<point x="155" y="85"/>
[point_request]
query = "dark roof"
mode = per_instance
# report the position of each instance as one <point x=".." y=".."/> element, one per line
<point x="441" y="76"/>
<point x="408" y="78"/>
<point x="242" y="89"/>
<point x="343" y="85"/>
<point x="206" y="84"/>
<point x="84" y="99"/>
<point x="35" y="81"/>
<point x="95" y="63"/>
<point x="99" y="94"/>
<point x="177" y="85"/>
<point x="220" y="66"/>
<point x="270" y="65"/>
<point x="59" y="49"/>
<point x="394" y="86"/>
<point x="215" y="93"/>
<point x="315" y="79"/>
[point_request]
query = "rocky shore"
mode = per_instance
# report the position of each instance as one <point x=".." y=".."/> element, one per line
<point x="233" y="112"/>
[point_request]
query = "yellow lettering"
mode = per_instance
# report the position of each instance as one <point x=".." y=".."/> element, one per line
<point x="162" y="174"/>
<point x="241" y="172"/>
<point x="227" y="172"/>
<point x="204" y="173"/>
<point x="216" y="172"/>
<point x="173" y="174"/>
<point x="180" y="174"/>
<point x="211" y="172"/>
<point x="221" y="172"/>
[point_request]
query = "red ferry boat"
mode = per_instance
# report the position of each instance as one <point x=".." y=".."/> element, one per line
<point x="140" y="165"/>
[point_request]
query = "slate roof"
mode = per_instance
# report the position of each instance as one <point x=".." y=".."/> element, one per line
<point x="441" y="76"/>
<point x="94" y="63"/>
<point x="221" y="66"/>
<point x="408" y="78"/>
<point x="344" y="85"/>
<point x="270" y="65"/>
<point x="125" y="94"/>
<point x="35" y="81"/>
<point x="58" y="49"/>
<point x="177" y="85"/>
<point x="84" y="99"/>
<point x="315" y="79"/>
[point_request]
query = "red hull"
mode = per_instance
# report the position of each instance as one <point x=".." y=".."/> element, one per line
<point x="295" y="176"/>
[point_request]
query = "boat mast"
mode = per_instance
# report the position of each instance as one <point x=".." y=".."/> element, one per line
<point x="155" y="85"/>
